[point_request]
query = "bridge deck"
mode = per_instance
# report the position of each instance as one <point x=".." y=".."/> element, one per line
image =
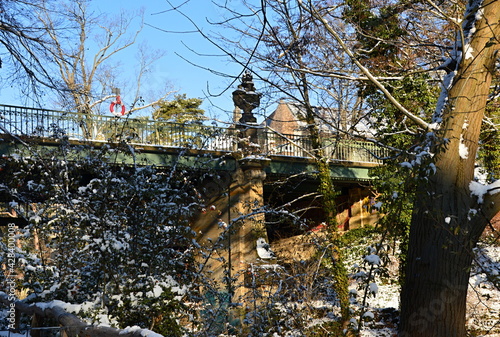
<point x="138" y="131"/>
<point x="160" y="142"/>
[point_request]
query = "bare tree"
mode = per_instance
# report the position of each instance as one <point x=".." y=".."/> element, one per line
<point x="24" y="49"/>
<point x="291" y="55"/>
<point x="86" y="50"/>
<point x="460" y="42"/>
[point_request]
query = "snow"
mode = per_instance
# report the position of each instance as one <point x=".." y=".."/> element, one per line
<point x="387" y="296"/>
<point x="373" y="259"/>
<point x="30" y="268"/>
<point x="432" y="168"/>
<point x="463" y="150"/>
<point x="156" y="292"/>
<point x="435" y="125"/>
<point x="483" y="301"/>
<point x="373" y="288"/>
<point x="36" y="218"/>
<point x="472" y="212"/>
<point x="386" y="332"/>
<point x="254" y="157"/>
<point x="369" y="315"/>
<point x="462" y="44"/>
<point x="443" y="98"/>
<point x="480" y="190"/>
<point x="222" y="224"/>
<point x="69" y="307"/>
<point x="144" y="332"/>
<point x="9" y="333"/>
<point x="264" y="250"/>
<point x="480" y="175"/>
<point x="468" y="52"/>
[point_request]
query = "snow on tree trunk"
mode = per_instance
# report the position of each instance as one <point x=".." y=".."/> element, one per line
<point x="448" y="219"/>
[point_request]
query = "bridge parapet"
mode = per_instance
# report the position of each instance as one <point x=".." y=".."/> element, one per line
<point x="32" y="122"/>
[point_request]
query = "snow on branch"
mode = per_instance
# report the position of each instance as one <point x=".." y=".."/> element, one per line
<point x="481" y="190"/>
<point x="462" y="50"/>
<point x="57" y="311"/>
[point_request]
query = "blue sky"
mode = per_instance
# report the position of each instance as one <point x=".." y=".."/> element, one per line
<point x="172" y="37"/>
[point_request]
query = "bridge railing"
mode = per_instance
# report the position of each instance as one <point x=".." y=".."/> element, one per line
<point x="54" y="124"/>
<point x="347" y="150"/>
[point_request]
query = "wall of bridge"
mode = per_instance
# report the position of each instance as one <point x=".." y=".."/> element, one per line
<point x="234" y="218"/>
<point x="228" y="228"/>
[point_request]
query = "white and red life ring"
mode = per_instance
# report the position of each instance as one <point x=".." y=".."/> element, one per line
<point x="117" y="104"/>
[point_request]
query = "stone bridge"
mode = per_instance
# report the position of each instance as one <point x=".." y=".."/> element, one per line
<point x="277" y="170"/>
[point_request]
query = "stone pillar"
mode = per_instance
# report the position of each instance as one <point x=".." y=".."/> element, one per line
<point x="247" y="201"/>
<point x="233" y="219"/>
<point x="231" y="222"/>
<point x="245" y="99"/>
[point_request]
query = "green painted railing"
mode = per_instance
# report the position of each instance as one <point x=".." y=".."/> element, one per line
<point x="55" y="124"/>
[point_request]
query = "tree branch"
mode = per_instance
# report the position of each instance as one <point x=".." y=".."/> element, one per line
<point x="71" y="322"/>
<point x="417" y="120"/>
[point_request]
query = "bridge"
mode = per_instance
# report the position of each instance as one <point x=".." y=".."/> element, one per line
<point x="247" y="179"/>
<point x="159" y="142"/>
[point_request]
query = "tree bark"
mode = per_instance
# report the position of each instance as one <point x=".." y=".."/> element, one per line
<point x="327" y="191"/>
<point x="447" y="220"/>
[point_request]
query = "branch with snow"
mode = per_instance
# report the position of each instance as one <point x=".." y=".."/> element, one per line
<point x="57" y="311"/>
<point x="462" y="50"/>
<point x="481" y="191"/>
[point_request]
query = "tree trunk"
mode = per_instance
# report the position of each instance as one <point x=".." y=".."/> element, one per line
<point x="327" y="191"/>
<point x="447" y="220"/>
<point x="433" y="300"/>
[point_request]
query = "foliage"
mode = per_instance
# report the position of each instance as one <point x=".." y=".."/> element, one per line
<point x="179" y="121"/>
<point x="180" y="110"/>
<point x="449" y="218"/>
<point x="130" y="130"/>
<point x="115" y="239"/>
<point x="420" y="92"/>
<point x="370" y="261"/>
<point x="394" y="182"/>
<point x="489" y="152"/>
<point x="376" y="31"/>
<point x="299" y="296"/>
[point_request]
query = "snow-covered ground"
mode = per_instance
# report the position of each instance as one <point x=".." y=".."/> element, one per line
<point x="483" y="311"/>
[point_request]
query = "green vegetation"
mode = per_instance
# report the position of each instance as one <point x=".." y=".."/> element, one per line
<point x="181" y="110"/>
